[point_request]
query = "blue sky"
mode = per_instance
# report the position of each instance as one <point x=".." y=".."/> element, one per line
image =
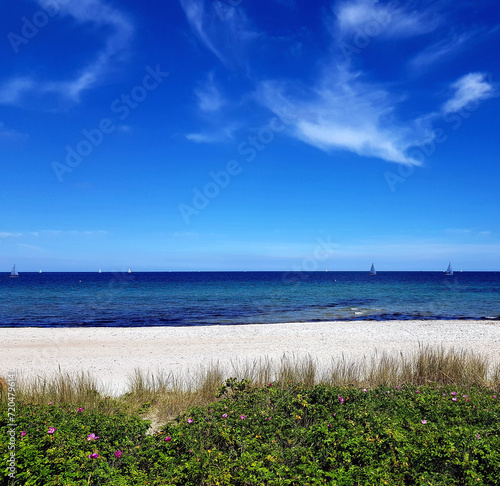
<point x="249" y="135"/>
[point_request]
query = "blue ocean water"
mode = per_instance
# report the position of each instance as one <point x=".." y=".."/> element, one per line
<point x="210" y="298"/>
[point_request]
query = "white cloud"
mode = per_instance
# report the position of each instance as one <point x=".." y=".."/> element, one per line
<point x="8" y="234"/>
<point x="340" y="109"/>
<point x="12" y="91"/>
<point x="471" y="88"/>
<point x="83" y="12"/>
<point x="223" y="29"/>
<point x="100" y="14"/>
<point x="210" y="98"/>
<point x="9" y="133"/>
<point x="435" y="52"/>
<point x="342" y="113"/>
<point x="210" y="105"/>
<point x="214" y="136"/>
<point x="200" y="138"/>
<point x="386" y="20"/>
<point x="197" y="16"/>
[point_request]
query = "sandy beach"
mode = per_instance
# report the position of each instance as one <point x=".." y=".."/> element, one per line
<point x="112" y="354"/>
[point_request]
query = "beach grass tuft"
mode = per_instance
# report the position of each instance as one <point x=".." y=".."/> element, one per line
<point x="162" y="395"/>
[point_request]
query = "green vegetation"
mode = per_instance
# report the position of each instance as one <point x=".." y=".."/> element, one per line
<point x="298" y="429"/>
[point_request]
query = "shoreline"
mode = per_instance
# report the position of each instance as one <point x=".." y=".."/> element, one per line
<point x="112" y="354"/>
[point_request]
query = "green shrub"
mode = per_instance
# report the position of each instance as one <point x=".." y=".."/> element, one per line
<point x="278" y="434"/>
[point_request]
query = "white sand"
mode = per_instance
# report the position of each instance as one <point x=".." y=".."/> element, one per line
<point x="112" y="354"/>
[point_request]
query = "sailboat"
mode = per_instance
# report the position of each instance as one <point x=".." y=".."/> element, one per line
<point x="100" y="271"/>
<point x="129" y="271"/>
<point x="14" y="274"/>
<point x="449" y="271"/>
<point x="40" y="271"/>
<point x="372" y="270"/>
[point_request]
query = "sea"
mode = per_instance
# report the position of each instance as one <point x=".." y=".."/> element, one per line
<point x="237" y="298"/>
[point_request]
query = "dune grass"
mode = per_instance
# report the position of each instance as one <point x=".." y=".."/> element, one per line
<point x="160" y="396"/>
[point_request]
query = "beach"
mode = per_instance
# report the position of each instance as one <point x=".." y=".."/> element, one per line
<point x="112" y="354"/>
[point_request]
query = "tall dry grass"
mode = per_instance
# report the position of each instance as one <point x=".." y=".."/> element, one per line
<point x="61" y="387"/>
<point x="161" y="396"/>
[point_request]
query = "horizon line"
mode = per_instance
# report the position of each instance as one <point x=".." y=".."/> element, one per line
<point x="238" y="271"/>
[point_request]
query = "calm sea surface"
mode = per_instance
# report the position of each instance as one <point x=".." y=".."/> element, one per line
<point x="208" y="298"/>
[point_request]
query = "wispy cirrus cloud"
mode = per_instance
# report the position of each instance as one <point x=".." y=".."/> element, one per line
<point x="471" y="88"/>
<point x="201" y="18"/>
<point x="226" y="31"/>
<point x="211" y="106"/>
<point x="223" y="29"/>
<point x="12" y="90"/>
<point x="443" y="49"/>
<point x="391" y="19"/>
<point x="340" y="108"/>
<point x="9" y="133"/>
<point x="213" y="135"/>
<point x="99" y="14"/>
<point x="343" y="110"/>
<point x="209" y="96"/>
<point x="342" y="113"/>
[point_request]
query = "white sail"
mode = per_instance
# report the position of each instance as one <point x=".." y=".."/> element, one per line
<point x="40" y="271"/>
<point x="449" y="271"/>
<point x="129" y="271"/>
<point x="372" y="270"/>
<point x="100" y="271"/>
<point x="14" y="272"/>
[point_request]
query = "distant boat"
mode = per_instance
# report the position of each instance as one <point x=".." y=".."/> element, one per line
<point x="13" y="274"/>
<point x="100" y="271"/>
<point x="40" y="271"/>
<point x="129" y="271"/>
<point x="372" y="270"/>
<point x="449" y="271"/>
